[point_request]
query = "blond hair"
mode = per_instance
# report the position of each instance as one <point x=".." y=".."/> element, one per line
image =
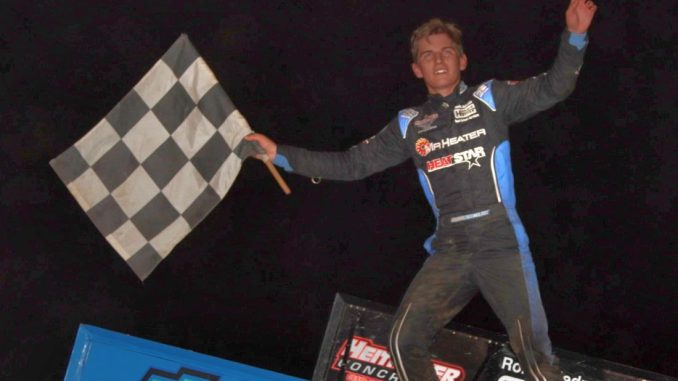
<point x="435" y="26"/>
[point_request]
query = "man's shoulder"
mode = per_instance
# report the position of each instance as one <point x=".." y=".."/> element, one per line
<point x="410" y="112"/>
<point x="484" y="92"/>
<point x="405" y="117"/>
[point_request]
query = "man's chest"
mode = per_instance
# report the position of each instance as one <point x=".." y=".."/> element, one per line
<point x="461" y="129"/>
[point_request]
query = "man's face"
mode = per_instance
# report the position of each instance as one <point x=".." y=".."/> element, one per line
<point x="439" y="64"/>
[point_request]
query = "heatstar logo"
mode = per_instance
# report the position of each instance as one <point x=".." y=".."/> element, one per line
<point x="424" y="147"/>
<point x="470" y="157"/>
<point x="371" y="362"/>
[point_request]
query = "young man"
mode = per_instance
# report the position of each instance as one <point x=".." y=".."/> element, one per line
<point x="458" y="141"/>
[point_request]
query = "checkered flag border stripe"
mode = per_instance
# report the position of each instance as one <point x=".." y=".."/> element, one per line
<point x="161" y="159"/>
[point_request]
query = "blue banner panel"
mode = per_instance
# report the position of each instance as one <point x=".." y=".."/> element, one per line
<point x="103" y="355"/>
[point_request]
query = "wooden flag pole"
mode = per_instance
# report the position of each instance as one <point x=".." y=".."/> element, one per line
<point x="276" y="176"/>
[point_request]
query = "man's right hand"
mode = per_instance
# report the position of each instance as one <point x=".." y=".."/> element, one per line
<point x="267" y="144"/>
<point x="579" y="15"/>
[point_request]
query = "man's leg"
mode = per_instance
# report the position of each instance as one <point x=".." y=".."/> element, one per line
<point x="438" y="292"/>
<point x="509" y="284"/>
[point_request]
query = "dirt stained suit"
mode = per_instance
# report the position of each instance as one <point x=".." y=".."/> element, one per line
<point x="459" y="145"/>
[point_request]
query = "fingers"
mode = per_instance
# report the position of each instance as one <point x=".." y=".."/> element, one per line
<point x="590" y="7"/>
<point x="250" y="137"/>
<point x="259" y="138"/>
<point x="587" y="4"/>
<point x="580" y="8"/>
<point x="264" y="142"/>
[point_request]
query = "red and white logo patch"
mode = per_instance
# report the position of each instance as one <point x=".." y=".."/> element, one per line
<point x="368" y="361"/>
<point x="423" y="146"/>
<point x="469" y="157"/>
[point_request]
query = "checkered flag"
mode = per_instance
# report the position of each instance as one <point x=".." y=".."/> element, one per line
<point x="161" y="159"/>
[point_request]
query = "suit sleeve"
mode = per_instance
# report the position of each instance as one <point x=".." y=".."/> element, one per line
<point x="518" y="101"/>
<point x="375" y="154"/>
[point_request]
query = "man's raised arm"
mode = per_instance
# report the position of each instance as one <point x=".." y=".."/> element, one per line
<point x="516" y="101"/>
<point x="385" y="149"/>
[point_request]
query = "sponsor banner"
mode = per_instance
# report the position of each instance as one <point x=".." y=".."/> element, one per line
<point x="102" y="355"/>
<point x="369" y="361"/>
<point x="460" y="353"/>
<point x="504" y="366"/>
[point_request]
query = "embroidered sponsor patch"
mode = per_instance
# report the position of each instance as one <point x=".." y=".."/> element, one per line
<point x="422" y="146"/>
<point x="481" y="90"/>
<point x="426" y="123"/>
<point x="471" y="216"/>
<point x="465" y="112"/>
<point x="484" y="94"/>
<point x="404" y="119"/>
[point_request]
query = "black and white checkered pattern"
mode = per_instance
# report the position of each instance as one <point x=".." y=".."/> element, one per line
<point x="160" y="161"/>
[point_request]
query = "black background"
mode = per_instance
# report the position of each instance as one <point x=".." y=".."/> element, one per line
<point x="254" y="282"/>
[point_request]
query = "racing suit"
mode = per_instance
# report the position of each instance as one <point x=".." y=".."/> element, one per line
<point x="459" y="145"/>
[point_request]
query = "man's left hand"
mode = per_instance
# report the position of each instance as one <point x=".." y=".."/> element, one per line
<point x="579" y="15"/>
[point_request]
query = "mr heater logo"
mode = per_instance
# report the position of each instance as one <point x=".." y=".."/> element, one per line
<point x="424" y="147"/>
<point x="372" y="362"/>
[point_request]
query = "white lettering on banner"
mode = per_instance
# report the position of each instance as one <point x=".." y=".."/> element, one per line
<point x="465" y="112"/>
<point x="509" y="378"/>
<point x="507" y="363"/>
<point x="511" y="365"/>
<point x="372" y="362"/>
<point x="365" y="350"/>
<point x="424" y="147"/>
<point x="569" y="378"/>
<point x="470" y="157"/>
<point x="367" y="354"/>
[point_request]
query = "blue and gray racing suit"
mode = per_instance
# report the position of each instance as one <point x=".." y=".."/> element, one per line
<point x="460" y="147"/>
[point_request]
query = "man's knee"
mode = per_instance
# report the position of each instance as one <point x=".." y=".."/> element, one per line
<point x="408" y="339"/>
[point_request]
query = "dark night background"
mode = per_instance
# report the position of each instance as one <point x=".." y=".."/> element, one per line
<point x="255" y="281"/>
